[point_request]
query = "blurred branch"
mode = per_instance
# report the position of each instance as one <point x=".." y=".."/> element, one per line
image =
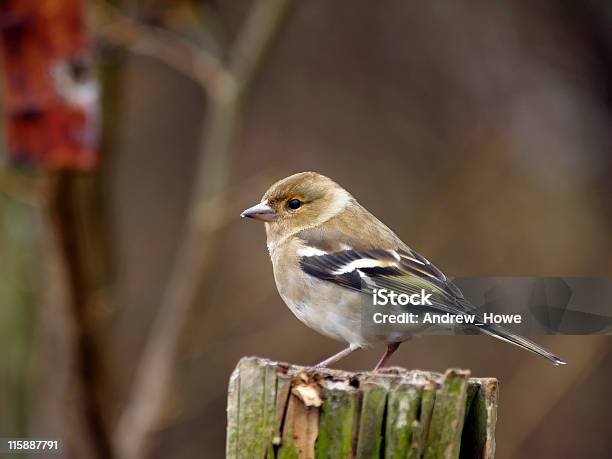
<point x="190" y="59"/>
<point x="69" y="216"/>
<point x="204" y="221"/>
<point x="164" y="45"/>
<point x="255" y="38"/>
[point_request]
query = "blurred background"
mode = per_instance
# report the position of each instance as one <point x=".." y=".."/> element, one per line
<point x="129" y="287"/>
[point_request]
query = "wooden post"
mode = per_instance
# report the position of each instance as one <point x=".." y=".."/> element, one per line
<point x="277" y="410"/>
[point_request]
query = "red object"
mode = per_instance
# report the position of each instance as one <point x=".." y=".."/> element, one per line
<point x="50" y="93"/>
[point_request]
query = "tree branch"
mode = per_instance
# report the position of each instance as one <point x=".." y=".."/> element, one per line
<point x="161" y="44"/>
<point x="202" y="233"/>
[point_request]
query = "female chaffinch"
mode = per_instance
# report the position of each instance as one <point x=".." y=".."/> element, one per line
<point x="329" y="254"/>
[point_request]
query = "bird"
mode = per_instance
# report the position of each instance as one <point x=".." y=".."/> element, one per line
<point x="330" y="255"/>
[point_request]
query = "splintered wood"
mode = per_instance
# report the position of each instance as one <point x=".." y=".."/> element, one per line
<point x="277" y="410"/>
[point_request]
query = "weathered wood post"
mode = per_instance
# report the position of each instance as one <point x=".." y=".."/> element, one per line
<point x="277" y="410"/>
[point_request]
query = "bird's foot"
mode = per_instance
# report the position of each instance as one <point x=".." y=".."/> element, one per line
<point x="334" y="358"/>
<point x="391" y="348"/>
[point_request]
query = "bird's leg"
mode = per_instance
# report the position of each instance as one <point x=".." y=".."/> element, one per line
<point x="391" y="348"/>
<point x="340" y="355"/>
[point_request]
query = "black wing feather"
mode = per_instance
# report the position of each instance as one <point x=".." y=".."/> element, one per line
<point x="402" y="271"/>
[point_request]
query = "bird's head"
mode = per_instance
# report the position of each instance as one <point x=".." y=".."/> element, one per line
<point x="299" y="201"/>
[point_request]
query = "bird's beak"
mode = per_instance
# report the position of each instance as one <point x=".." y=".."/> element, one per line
<point x="261" y="211"/>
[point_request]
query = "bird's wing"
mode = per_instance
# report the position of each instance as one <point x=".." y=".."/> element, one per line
<point x="349" y="261"/>
<point x="400" y="269"/>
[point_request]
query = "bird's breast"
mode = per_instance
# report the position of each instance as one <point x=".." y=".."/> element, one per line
<point x="325" y="307"/>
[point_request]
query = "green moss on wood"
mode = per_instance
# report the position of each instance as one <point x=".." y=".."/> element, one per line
<point x="233" y="401"/>
<point x="280" y="411"/>
<point x="444" y="437"/>
<point x="403" y="404"/>
<point x="337" y="420"/>
<point x="251" y="407"/>
<point x="478" y="439"/>
<point x="283" y="387"/>
<point x="370" y="435"/>
<point x="420" y="426"/>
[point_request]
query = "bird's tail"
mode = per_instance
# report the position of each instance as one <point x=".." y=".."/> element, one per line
<point x="508" y="336"/>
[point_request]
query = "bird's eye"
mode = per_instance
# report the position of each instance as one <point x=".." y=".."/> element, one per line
<point x="294" y="203"/>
